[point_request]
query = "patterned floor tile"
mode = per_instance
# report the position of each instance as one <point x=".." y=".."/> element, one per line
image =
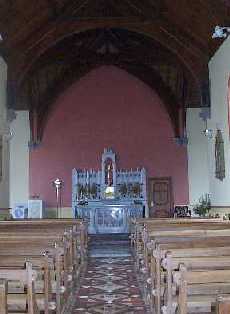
<point x="110" y="286"/>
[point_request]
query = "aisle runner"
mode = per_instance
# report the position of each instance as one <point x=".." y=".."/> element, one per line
<point x="110" y="286"/>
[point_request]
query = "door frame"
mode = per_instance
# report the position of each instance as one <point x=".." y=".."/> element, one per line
<point x="171" y="191"/>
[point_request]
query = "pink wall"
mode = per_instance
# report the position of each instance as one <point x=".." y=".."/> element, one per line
<point x="107" y="108"/>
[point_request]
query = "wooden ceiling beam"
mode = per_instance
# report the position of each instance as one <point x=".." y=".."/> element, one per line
<point x="194" y="64"/>
<point x="21" y="63"/>
<point x="85" y="57"/>
<point x="53" y="7"/>
<point x="153" y="12"/>
<point x="147" y="75"/>
<point x="180" y="35"/>
<point x="186" y="39"/>
<point x="87" y="48"/>
<point x="26" y="34"/>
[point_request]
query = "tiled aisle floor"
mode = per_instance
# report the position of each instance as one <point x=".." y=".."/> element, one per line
<point x="110" y="284"/>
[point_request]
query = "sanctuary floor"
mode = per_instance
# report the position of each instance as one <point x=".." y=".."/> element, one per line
<point x="110" y="284"/>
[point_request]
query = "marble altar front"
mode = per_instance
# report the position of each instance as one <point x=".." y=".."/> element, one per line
<point x="109" y="198"/>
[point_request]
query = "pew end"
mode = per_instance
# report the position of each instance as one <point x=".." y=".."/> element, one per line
<point x="223" y="304"/>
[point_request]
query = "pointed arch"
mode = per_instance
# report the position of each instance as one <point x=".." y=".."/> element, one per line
<point x="39" y="119"/>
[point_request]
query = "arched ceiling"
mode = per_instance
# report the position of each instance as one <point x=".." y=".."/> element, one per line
<point x="48" y="44"/>
<point x="139" y="55"/>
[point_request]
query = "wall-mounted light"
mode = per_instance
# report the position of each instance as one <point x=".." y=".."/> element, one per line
<point x="205" y="114"/>
<point x="221" y="32"/>
<point x="208" y="133"/>
<point x="6" y="132"/>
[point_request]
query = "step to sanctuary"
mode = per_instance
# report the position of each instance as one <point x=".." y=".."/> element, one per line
<point x="111" y="245"/>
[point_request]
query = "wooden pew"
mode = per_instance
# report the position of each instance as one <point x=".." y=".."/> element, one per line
<point x="39" y="238"/>
<point x="181" y="230"/>
<point x="194" y="259"/>
<point x="144" y="233"/>
<point x="187" y="298"/>
<point x="45" y="241"/>
<point x="183" y="248"/>
<point x="3" y="296"/>
<point x="51" y="269"/>
<point x="141" y="223"/>
<point x="67" y="241"/>
<point x="63" y="271"/>
<point x="166" y="235"/>
<point x="45" y="268"/>
<point x="223" y="304"/>
<point x="152" y="240"/>
<point x="28" y="300"/>
<point x="78" y="225"/>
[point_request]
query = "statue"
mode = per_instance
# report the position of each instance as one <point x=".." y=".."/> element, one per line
<point x="219" y="156"/>
<point x="109" y="172"/>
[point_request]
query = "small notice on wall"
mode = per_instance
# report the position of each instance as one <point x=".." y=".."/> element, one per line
<point x="35" y="208"/>
<point x="20" y="211"/>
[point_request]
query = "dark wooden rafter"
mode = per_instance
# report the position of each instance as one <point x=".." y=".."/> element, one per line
<point x="69" y="8"/>
<point x="151" y="10"/>
<point x="55" y="29"/>
<point x="193" y="57"/>
<point x="130" y="45"/>
<point x="134" y="53"/>
<point x="70" y="75"/>
<point x="53" y="7"/>
<point x="7" y="10"/>
<point x="190" y="40"/>
<point x="14" y="76"/>
<point x="38" y="28"/>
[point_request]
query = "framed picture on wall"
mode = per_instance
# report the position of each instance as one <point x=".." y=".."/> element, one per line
<point x="182" y="211"/>
<point x="35" y="208"/>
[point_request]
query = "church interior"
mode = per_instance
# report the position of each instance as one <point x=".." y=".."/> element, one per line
<point x="114" y="156"/>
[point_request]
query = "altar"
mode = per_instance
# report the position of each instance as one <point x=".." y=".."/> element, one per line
<point x="109" y="198"/>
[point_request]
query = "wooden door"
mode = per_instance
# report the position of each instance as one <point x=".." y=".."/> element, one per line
<point x="160" y="197"/>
